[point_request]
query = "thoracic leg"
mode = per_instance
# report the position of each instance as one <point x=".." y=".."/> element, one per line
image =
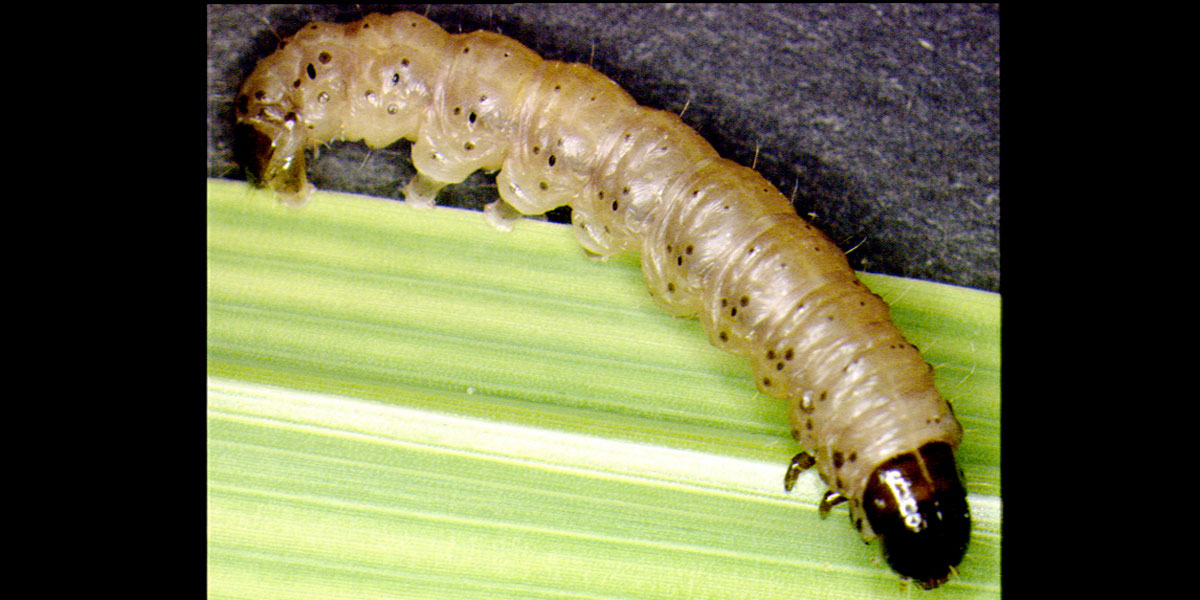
<point x="828" y="501"/>
<point x="800" y="463"/>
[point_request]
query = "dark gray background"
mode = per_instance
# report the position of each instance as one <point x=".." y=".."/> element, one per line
<point x="885" y="119"/>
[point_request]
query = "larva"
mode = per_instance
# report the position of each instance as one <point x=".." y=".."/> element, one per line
<point x="717" y="240"/>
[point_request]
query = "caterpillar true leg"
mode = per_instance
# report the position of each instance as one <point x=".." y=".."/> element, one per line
<point x="800" y="463"/>
<point x="828" y="501"/>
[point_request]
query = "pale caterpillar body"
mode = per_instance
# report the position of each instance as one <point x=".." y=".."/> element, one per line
<point x="717" y="240"/>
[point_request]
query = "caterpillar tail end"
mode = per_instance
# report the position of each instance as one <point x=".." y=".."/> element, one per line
<point x="273" y="160"/>
<point x="421" y="191"/>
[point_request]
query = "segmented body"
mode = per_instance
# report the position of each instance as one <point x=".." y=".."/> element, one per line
<point x="717" y="240"/>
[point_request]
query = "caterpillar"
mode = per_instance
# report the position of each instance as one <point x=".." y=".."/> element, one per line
<point x="717" y="241"/>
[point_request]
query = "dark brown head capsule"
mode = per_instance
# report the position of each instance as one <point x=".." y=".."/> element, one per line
<point x="917" y="505"/>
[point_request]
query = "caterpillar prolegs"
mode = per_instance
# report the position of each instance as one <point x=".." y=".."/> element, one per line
<point x="717" y="240"/>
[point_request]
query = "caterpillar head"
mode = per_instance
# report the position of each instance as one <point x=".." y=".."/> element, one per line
<point x="269" y="143"/>
<point x="917" y="505"/>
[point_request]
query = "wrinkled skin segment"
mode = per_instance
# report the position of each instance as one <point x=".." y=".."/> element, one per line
<point x="717" y="240"/>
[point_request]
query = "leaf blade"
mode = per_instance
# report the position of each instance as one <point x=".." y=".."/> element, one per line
<point x="409" y="404"/>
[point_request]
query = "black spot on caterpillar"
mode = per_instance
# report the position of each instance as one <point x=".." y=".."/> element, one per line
<point x="702" y="253"/>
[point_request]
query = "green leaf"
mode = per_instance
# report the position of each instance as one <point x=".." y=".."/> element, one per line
<point x="411" y="404"/>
